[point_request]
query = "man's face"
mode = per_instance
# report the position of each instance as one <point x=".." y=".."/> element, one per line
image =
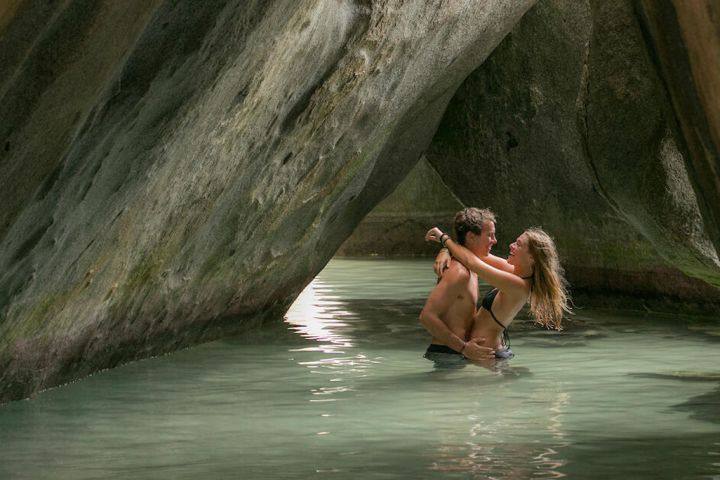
<point x="484" y="241"/>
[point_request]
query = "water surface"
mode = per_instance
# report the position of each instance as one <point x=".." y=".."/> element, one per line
<point x="338" y="389"/>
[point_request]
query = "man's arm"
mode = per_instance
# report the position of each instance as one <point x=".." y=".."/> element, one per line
<point x="438" y="303"/>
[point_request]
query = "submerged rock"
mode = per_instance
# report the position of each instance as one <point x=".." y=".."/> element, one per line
<point x="172" y="172"/>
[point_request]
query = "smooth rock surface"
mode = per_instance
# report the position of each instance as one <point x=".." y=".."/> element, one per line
<point x="684" y="38"/>
<point x="568" y="125"/>
<point x="172" y="172"/>
<point x="396" y="226"/>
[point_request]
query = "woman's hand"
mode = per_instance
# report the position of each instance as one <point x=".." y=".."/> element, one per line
<point x="433" y="234"/>
<point x="442" y="262"/>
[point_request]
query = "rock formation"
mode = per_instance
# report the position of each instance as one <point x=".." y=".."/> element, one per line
<point x="396" y="226"/>
<point x="172" y="171"/>
<point x="587" y="121"/>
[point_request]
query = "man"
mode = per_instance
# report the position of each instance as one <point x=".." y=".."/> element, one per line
<point x="449" y="310"/>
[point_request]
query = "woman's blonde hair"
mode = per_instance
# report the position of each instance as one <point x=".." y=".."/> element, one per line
<point x="549" y="296"/>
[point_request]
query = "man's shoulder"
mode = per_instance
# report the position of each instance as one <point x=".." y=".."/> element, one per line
<point x="456" y="273"/>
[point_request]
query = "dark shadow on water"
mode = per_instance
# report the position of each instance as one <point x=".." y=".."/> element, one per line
<point x="679" y="457"/>
<point x="681" y="376"/>
<point x="445" y="361"/>
<point x="498" y="367"/>
<point x="704" y="407"/>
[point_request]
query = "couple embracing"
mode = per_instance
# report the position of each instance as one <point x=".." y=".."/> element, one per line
<point x="463" y="327"/>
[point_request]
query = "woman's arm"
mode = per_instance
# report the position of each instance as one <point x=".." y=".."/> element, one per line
<point x="494" y="276"/>
<point x="442" y="262"/>
<point x="498" y="262"/>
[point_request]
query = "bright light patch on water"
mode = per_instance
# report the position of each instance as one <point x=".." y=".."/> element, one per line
<point x="338" y="389"/>
<point x="317" y="316"/>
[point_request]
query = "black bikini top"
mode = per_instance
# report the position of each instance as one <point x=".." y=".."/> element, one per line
<point x="488" y="300"/>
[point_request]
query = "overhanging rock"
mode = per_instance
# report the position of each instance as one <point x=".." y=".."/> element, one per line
<point x="171" y="171"/>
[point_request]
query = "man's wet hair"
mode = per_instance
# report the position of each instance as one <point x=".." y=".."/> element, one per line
<point x="471" y="220"/>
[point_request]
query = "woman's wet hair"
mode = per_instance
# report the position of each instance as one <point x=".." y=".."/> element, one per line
<point x="471" y="219"/>
<point x="549" y="298"/>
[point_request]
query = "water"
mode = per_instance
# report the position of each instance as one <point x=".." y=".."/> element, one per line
<point x="339" y="390"/>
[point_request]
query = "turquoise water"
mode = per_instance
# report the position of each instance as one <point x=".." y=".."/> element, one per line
<point x="339" y="389"/>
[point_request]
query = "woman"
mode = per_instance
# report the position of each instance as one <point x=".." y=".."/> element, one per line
<point x="532" y="273"/>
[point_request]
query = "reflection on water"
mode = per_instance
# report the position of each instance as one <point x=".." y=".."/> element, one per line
<point x="340" y="390"/>
<point x="480" y="447"/>
<point x="317" y="315"/>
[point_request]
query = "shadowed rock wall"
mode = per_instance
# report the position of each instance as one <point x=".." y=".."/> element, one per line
<point x="570" y="125"/>
<point x="684" y="38"/>
<point x="172" y="171"/>
<point x="587" y="120"/>
<point x="396" y="226"/>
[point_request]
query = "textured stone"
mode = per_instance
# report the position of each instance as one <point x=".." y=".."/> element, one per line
<point x="568" y="125"/>
<point x="684" y="37"/>
<point x="173" y="171"/>
<point x="396" y="226"/>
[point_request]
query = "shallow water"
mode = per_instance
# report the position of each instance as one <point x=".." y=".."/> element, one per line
<point x="339" y="389"/>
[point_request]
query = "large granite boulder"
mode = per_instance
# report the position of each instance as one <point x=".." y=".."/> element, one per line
<point x="570" y="125"/>
<point x="684" y="38"/>
<point x="172" y="171"/>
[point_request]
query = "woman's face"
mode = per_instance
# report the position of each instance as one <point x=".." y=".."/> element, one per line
<point x="520" y="252"/>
